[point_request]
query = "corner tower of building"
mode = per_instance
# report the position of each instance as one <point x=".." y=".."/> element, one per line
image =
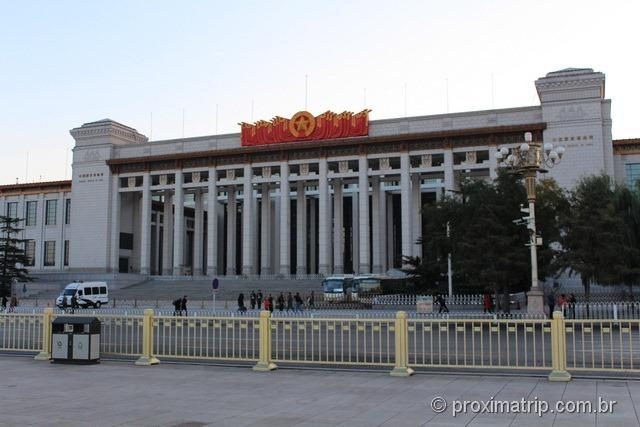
<point x="93" y="190"/>
<point x="578" y="117"/>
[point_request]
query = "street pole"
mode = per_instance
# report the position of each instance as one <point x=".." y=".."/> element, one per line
<point x="535" y="297"/>
<point x="449" y="275"/>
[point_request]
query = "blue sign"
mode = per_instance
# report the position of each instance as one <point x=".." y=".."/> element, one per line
<point x="215" y="284"/>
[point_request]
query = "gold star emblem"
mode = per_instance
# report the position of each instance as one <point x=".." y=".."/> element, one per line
<point x="302" y="124"/>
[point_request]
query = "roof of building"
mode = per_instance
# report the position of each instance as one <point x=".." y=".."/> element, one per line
<point x="627" y="141"/>
<point x="36" y="187"/>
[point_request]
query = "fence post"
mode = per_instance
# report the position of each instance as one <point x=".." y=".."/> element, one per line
<point x="264" y="359"/>
<point x="401" y="368"/>
<point x="45" y="354"/>
<point x="147" y="358"/>
<point x="558" y="349"/>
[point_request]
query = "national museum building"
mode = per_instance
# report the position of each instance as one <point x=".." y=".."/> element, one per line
<point x="301" y="196"/>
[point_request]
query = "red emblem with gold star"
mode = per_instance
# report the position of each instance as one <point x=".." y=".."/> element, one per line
<point x="303" y="126"/>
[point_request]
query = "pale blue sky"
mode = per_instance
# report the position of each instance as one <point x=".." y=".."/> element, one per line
<point x="64" y="63"/>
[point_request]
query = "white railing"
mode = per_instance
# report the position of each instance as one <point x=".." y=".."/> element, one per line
<point x="407" y="299"/>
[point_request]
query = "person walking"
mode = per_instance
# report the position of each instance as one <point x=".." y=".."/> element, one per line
<point x="252" y="300"/>
<point x="443" y="305"/>
<point x="241" y="307"/>
<point x="5" y="301"/>
<point x="289" y="302"/>
<point x="267" y="305"/>
<point x="572" y="305"/>
<point x="297" y="303"/>
<point x="176" y="306"/>
<point x="270" y="299"/>
<point x="259" y="298"/>
<point x="183" y="305"/>
<point x="13" y="303"/>
<point x="562" y="302"/>
<point x="280" y="301"/>
<point x="487" y="302"/>
<point x="74" y="303"/>
<point x="312" y="301"/>
<point x="551" y="302"/>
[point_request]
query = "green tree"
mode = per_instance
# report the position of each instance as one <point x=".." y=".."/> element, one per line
<point x="12" y="255"/>
<point x="597" y="244"/>
<point x="488" y="248"/>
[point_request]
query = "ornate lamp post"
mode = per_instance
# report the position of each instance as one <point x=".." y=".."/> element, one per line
<point x="529" y="159"/>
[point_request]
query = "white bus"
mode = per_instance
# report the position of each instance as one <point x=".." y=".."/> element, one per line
<point x="88" y="294"/>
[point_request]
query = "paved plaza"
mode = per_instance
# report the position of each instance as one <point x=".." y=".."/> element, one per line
<point x="120" y="393"/>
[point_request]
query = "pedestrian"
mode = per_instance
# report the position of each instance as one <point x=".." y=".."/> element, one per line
<point x="443" y="305"/>
<point x="270" y="299"/>
<point x="74" y="302"/>
<point x="551" y="302"/>
<point x="241" y="307"/>
<point x="562" y="301"/>
<point x="4" y="303"/>
<point x="252" y="300"/>
<point x="266" y="304"/>
<point x="280" y="302"/>
<point x="487" y="302"/>
<point x="312" y="301"/>
<point x="297" y="299"/>
<point x="289" y="302"/>
<point x="572" y="305"/>
<point x="259" y="299"/>
<point x="183" y="305"/>
<point x="176" y="306"/>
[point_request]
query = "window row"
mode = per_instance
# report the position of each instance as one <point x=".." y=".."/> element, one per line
<point x="31" y="212"/>
<point x="49" y="253"/>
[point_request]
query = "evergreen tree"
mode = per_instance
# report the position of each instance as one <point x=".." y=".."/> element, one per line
<point x="12" y="255"/>
<point x="596" y="243"/>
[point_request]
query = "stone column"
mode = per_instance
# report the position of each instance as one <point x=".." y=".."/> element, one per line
<point x="416" y="215"/>
<point x="265" y="232"/>
<point x="493" y="162"/>
<point x="275" y="264"/>
<point x="389" y="232"/>
<point x="338" y="228"/>
<point x="178" y="227"/>
<point x="324" y="218"/>
<point x="313" y="268"/>
<point x="285" y="220"/>
<point x="212" y="223"/>
<point x="301" y="230"/>
<point x="115" y="224"/>
<point x="198" y="234"/>
<point x="405" y="207"/>
<point x="248" y="234"/>
<point x="375" y="225"/>
<point x="231" y="232"/>
<point x="363" y="210"/>
<point x="355" y="230"/>
<point x="449" y="183"/>
<point x="167" y="235"/>
<point x="382" y="213"/>
<point x="145" y="225"/>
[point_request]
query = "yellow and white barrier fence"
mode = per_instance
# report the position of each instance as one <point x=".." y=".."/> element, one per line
<point x="556" y="346"/>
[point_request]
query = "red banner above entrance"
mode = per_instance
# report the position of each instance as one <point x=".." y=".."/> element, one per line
<point x="303" y="126"/>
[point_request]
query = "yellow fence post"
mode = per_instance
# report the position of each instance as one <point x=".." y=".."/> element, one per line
<point x="147" y="358"/>
<point x="264" y="361"/>
<point x="47" y="317"/>
<point x="558" y="349"/>
<point x="401" y="368"/>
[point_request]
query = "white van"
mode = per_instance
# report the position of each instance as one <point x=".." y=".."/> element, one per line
<point x="88" y="294"/>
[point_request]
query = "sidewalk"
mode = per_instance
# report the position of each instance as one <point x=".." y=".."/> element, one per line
<point x="115" y="393"/>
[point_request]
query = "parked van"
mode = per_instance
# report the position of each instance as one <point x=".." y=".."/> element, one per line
<point x="88" y="294"/>
<point x="337" y="288"/>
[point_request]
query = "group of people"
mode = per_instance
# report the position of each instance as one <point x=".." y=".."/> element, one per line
<point x="566" y="304"/>
<point x="13" y="303"/>
<point x="290" y="302"/>
<point x="180" y="306"/>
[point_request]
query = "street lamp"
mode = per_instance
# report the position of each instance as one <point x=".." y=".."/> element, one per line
<point x="528" y="159"/>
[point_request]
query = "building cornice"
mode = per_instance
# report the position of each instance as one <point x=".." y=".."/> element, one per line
<point x="35" y="188"/>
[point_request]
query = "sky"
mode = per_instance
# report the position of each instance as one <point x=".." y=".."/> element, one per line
<point x="195" y="68"/>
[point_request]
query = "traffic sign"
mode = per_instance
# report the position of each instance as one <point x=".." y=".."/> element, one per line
<point x="215" y="284"/>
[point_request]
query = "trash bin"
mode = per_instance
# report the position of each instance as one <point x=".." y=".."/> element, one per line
<point x="75" y="340"/>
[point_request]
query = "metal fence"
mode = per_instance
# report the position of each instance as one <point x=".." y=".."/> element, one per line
<point x="401" y="342"/>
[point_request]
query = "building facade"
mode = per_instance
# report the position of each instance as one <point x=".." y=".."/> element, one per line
<point x="213" y="206"/>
